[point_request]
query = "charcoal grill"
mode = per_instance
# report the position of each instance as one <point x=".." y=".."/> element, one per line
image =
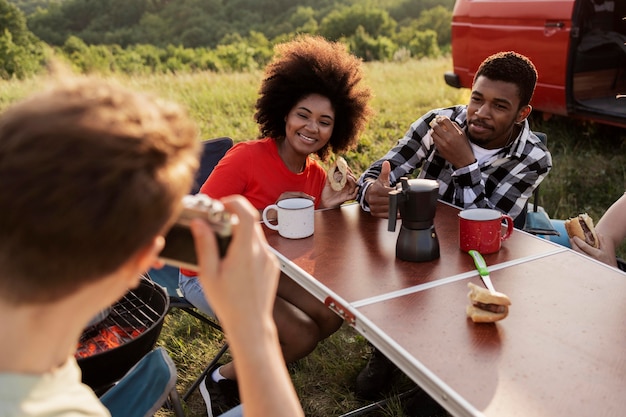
<point x="111" y="346"/>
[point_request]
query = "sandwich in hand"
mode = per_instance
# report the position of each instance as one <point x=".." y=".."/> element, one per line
<point x="486" y="306"/>
<point x="436" y="120"/>
<point x="338" y="174"/>
<point x="582" y="226"/>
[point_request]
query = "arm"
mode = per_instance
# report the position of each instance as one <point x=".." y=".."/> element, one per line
<point x="241" y="288"/>
<point x="375" y="193"/>
<point x="406" y="156"/>
<point x="611" y="231"/>
<point x="506" y="182"/>
<point x="452" y="143"/>
<point x="612" y="225"/>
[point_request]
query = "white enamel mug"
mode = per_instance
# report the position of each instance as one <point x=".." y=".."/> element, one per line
<point x="294" y="217"/>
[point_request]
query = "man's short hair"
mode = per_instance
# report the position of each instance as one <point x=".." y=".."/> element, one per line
<point x="511" y="67"/>
<point x="90" y="173"/>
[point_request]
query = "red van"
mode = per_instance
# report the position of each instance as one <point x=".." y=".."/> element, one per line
<point x="576" y="45"/>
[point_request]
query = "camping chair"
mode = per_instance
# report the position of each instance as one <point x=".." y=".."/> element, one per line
<point x="145" y="388"/>
<point x="167" y="277"/>
<point x="536" y="221"/>
<point x="212" y="151"/>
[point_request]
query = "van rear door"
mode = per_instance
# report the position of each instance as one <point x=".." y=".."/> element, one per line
<point x="539" y="29"/>
<point x="598" y="62"/>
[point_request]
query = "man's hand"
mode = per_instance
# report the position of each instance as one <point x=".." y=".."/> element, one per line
<point x="377" y="195"/>
<point x="452" y="143"/>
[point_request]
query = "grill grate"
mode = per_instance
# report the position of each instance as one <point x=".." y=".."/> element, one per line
<point x="136" y="320"/>
<point x="129" y="317"/>
<point x="133" y="312"/>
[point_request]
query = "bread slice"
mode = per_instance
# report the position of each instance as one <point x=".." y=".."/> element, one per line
<point x="486" y="306"/>
<point x="338" y="174"/>
<point x="582" y="226"/>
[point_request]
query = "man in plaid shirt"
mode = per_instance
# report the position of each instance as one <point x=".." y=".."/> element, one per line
<point x="482" y="155"/>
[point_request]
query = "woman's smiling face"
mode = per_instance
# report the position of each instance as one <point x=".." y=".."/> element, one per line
<point x="309" y="124"/>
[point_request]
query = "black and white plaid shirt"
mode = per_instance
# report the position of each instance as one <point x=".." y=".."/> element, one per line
<point x="503" y="181"/>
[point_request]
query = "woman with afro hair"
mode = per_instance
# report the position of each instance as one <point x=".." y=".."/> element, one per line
<point x="312" y="101"/>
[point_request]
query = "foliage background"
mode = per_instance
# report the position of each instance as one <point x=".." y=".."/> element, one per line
<point x="208" y="55"/>
<point x="157" y="36"/>
<point x="588" y="175"/>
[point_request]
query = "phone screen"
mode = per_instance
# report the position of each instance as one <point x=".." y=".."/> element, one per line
<point x="180" y="251"/>
<point x="179" y="248"/>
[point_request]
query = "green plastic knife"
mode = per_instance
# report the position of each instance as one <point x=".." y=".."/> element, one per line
<point x="481" y="266"/>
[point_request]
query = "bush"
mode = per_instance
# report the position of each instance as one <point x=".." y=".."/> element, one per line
<point x="345" y="22"/>
<point x="424" y="44"/>
<point x="21" y="53"/>
<point x="18" y="61"/>
<point x="371" y="49"/>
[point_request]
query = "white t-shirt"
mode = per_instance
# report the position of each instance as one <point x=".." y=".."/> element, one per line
<point x="482" y="154"/>
<point x="59" y="393"/>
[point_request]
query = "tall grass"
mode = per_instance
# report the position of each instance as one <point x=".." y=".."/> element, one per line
<point x="588" y="175"/>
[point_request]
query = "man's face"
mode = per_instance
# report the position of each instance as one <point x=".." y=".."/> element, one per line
<point x="492" y="112"/>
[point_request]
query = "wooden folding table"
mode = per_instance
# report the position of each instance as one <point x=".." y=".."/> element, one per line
<point x="560" y="352"/>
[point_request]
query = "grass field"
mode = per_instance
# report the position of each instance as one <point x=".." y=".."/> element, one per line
<point x="588" y="175"/>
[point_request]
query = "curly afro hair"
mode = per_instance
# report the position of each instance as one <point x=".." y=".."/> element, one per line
<point x="313" y="65"/>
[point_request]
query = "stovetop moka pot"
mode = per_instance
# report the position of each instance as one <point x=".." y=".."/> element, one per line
<point x="417" y="201"/>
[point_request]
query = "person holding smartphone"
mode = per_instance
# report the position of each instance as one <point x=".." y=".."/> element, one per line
<point x="92" y="176"/>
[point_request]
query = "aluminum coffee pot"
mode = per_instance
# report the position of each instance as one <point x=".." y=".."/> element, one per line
<point x="417" y="201"/>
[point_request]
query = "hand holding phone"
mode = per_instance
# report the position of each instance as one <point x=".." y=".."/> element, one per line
<point x="179" y="247"/>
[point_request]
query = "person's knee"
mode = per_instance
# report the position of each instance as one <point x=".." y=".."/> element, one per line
<point x="329" y="325"/>
<point x="301" y="330"/>
<point x="193" y="292"/>
<point x="327" y="321"/>
<point x="297" y="332"/>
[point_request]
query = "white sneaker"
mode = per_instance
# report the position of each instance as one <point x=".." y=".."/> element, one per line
<point x="204" y="391"/>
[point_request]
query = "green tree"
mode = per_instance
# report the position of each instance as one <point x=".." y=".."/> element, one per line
<point x="406" y="31"/>
<point x="151" y="28"/>
<point x="369" y="48"/>
<point x="344" y="22"/>
<point x="189" y="35"/>
<point x="424" y="44"/>
<point x="412" y="9"/>
<point x="28" y="7"/>
<point x="93" y="21"/>
<point x="263" y="48"/>
<point x="301" y="20"/>
<point x="50" y="24"/>
<point x="21" y="53"/>
<point x="75" y="50"/>
<point x="237" y="53"/>
<point x="236" y="57"/>
<point x="151" y="57"/>
<point x="438" y="19"/>
<point x="14" y="21"/>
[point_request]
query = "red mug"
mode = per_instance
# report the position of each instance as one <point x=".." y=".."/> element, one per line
<point x="480" y="229"/>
